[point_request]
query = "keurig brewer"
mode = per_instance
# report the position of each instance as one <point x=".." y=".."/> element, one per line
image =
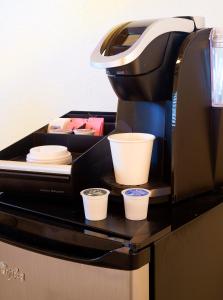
<point x="160" y="71"/>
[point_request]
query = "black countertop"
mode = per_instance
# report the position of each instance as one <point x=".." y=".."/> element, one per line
<point x="162" y="218"/>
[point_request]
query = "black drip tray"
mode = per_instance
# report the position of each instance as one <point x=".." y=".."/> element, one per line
<point x="158" y="189"/>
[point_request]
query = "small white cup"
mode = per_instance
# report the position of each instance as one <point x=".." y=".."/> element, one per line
<point x="136" y="201"/>
<point x="95" y="202"/>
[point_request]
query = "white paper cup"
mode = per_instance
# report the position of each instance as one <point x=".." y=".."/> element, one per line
<point x="131" y="156"/>
<point x="95" y="202"/>
<point x="136" y="203"/>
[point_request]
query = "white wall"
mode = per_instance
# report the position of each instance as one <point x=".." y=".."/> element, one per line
<point x="45" y="47"/>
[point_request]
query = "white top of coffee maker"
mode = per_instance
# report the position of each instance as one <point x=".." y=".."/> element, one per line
<point x="154" y="29"/>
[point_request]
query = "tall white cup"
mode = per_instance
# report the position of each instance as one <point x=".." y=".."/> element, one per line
<point x="131" y="156"/>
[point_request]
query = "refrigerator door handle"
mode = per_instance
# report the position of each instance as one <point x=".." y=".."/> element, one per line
<point x="121" y="258"/>
<point x="69" y="242"/>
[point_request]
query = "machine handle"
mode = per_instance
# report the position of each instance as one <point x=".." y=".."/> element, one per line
<point x="158" y="27"/>
<point x="120" y="258"/>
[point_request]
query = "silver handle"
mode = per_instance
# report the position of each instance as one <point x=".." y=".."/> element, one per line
<point x="157" y="28"/>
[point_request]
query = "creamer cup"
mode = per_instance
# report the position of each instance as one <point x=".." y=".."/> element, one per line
<point x="136" y="201"/>
<point x="95" y="201"/>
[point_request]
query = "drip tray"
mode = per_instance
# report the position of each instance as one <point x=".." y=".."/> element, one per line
<point x="159" y="190"/>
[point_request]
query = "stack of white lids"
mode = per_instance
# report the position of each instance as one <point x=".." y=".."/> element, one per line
<point x="50" y="154"/>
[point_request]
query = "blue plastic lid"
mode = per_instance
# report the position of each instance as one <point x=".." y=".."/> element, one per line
<point x="136" y="192"/>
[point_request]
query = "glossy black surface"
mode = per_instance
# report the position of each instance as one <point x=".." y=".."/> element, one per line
<point x="192" y="157"/>
<point x="59" y="229"/>
<point x="114" y="226"/>
<point x="153" y="118"/>
<point x="136" y="234"/>
<point x="188" y="263"/>
<point x="150" y="76"/>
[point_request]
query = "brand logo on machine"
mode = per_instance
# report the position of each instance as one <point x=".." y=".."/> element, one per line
<point x="52" y="191"/>
<point x="11" y="273"/>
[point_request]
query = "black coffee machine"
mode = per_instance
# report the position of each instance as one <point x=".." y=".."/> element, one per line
<point x="160" y="71"/>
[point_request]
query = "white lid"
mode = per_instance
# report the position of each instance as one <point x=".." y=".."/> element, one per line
<point x="49" y="154"/>
<point x="64" y="160"/>
<point x="48" y="151"/>
<point x="136" y="192"/>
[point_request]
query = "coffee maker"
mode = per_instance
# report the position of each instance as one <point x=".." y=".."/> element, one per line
<point x="160" y="71"/>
